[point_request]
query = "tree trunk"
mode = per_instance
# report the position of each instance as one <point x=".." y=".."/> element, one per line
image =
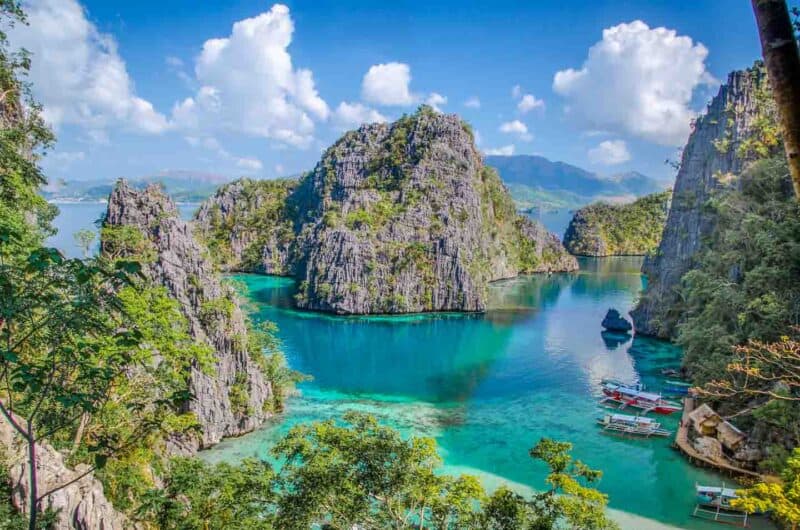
<point x="779" y="48"/>
<point x="33" y="492"/>
<point x="76" y="442"/>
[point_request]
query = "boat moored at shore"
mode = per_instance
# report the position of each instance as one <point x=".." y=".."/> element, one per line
<point x="633" y="395"/>
<point x="714" y="504"/>
<point x="633" y="425"/>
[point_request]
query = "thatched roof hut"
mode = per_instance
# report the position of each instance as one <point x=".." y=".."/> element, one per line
<point x="706" y="422"/>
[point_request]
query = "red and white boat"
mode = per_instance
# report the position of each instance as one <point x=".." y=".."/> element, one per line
<point x="627" y="395"/>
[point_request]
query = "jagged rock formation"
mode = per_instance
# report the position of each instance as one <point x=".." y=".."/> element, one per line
<point x="395" y="218"/>
<point x="613" y="321"/>
<point x="710" y="160"/>
<point x="176" y="260"/>
<point x="632" y="229"/>
<point x="82" y="505"/>
<point x="248" y="226"/>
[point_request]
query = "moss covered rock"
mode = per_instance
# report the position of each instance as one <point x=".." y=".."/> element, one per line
<point x="632" y="229"/>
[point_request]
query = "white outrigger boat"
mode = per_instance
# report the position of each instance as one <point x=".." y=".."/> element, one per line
<point x="714" y="504"/>
<point x="635" y="425"/>
<point x="627" y="395"/>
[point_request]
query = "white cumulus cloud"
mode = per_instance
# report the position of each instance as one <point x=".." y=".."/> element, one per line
<point x="518" y="128"/>
<point x="252" y="164"/>
<point x="349" y="115"/>
<point x="209" y="143"/>
<point x="528" y="102"/>
<point x="249" y="85"/>
<point x="474" y="102"/>
<point x="67" y="158"/>
<point x="506" y="150"/>
<point x="637" y="80"/>
<point x="609" y="153"/>
<point x="436" y="101"/>
<point x="78" y="74"/>
<point x="388" y="84"/>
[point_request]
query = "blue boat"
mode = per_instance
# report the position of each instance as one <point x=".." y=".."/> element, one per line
<point x="678" y="388"/>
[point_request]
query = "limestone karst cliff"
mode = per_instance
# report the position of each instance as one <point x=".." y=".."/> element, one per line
<point x="394" y="218"/>
<point x="235" y="397"/>
<point x="710" y="161"/>
<point x="80" y="503"/>
<point x="630" y="229"/>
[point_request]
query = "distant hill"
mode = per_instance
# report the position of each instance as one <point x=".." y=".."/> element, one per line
<point x="536" y="182"/>
<point x="182" y="186"/>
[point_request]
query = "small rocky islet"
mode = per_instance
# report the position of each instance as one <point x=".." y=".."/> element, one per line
<point x="629" y="229"/>
<point x="395" y="218"/>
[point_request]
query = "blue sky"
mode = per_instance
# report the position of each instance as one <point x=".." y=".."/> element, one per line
<point x="131" y="91"/>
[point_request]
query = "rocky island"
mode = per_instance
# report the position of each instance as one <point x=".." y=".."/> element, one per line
<point x="395" y="218"/>
<point x="235" y="397"/>
<point x="632" y="229"/>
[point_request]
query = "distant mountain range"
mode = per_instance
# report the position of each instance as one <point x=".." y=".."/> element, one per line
<point x="182" y="186"/>
<point x="536" y="182"/>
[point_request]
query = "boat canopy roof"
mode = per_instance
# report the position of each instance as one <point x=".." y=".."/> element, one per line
<point x="631" y="419"/>
<point x="725" y="492"/>
<point x="647" y="396"/>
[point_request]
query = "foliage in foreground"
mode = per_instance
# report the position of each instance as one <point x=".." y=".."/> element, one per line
<point x="360" y="473"/>
<point x="781" y="500"/>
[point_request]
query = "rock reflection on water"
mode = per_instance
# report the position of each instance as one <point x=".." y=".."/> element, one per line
<point x="614" y="340"/>
<point x="487" y="387"/>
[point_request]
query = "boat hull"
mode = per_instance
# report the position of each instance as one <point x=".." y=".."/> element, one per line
<point x="630" y="401"/>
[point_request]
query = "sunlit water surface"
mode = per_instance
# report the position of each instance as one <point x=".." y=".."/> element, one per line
<point x="487" y="387"/>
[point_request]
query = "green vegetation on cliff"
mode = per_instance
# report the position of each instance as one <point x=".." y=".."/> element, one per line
<point x="394" y="218"/>
<point x="603" y="229"/>
<point x="257" y="213"/>
<point x="744" y="288"/>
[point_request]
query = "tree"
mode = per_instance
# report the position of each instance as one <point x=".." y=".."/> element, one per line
<point x="568" y="501"/>
<point x="24" y="215"/>
<point x="362" y="473"/>
<point x="89" y="362"/>
<point x="761" y="370"/>
<point x="506" y="510"/>
<point x="84" y="238"/>
<point x="782" y="500"/>
<point x="780" y="50"/>
<point x="197" y="496"/>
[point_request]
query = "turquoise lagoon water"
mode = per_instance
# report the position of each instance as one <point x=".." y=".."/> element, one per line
<point x="487" y="387"/>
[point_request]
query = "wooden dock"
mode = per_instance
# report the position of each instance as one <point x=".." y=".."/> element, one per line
<point x="683" y="444"/>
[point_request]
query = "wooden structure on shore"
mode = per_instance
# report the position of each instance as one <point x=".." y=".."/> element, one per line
<point x="684" y="445"/>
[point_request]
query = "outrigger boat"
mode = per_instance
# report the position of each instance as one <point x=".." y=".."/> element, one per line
<point x="634" y="396"/>
<point x="636" y="425"/>
<point x="679" y="388"/>
<point x="714" y="504"/>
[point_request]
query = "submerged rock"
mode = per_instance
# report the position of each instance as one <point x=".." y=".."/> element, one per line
<point x="176" y="260"/>
<point x="613" y="321"/>
<point x="395" y="218"/>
